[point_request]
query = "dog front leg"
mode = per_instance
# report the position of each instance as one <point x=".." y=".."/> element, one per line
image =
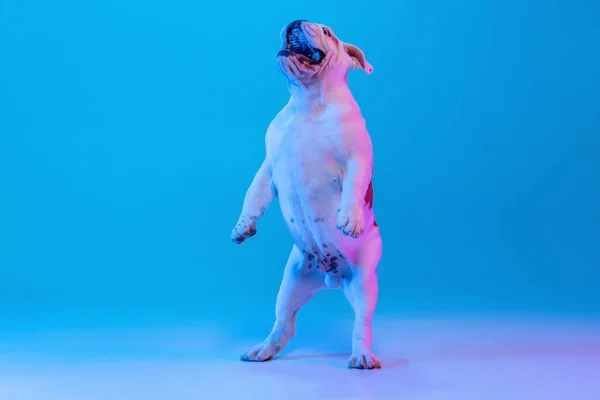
<point x="351" y="220"/>
<point x="259" y="195"/>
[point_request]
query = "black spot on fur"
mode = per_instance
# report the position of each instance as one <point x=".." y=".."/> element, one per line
<point x="311" y="257"/>
<point x="319" y="219"/>
<point x="333" y="258"/>
<point x="332" y="265"/>
<point x="292" y="220"/>
<point x="324" y="246"/>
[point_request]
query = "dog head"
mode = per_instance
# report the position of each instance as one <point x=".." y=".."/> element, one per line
<point x="311" y="53"/>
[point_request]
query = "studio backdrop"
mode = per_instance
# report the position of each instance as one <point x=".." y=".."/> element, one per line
<point x="130" y="130"/>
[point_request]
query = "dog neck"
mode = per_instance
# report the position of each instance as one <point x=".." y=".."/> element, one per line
<point x="317" y="96"/>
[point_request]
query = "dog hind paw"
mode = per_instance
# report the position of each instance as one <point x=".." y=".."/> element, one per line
<point x="363" y="360"/>
<point x="264" y="351"/>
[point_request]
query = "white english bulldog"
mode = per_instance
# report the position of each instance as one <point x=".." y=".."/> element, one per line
<point x="319" y="164"/>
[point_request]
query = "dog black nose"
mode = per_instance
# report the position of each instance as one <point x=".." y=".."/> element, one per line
<point x="294" y="26"/>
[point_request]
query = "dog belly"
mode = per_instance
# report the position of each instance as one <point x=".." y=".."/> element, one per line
<point x="311" y="214"/>
<point x="309" y="187"/>
<point x="311" y="221"/>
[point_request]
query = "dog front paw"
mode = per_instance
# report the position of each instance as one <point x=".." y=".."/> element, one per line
<point x="245" y="228"/>
<point x="351" y="221"/>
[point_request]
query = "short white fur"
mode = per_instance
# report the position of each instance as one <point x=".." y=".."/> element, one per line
<point x="319" y="163"/>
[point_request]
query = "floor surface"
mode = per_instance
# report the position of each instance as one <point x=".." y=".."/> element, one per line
<point x="436" y="358"/>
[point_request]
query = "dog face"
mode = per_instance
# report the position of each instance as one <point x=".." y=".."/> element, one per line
<point x="311" y="52"/>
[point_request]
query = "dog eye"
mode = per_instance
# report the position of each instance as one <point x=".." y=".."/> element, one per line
<point x="326" y="32"/>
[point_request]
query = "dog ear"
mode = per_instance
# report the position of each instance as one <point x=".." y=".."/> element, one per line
<point x="358" y="58"/>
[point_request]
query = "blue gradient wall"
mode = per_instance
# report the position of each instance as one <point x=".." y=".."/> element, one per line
<point x="129" y="131"/>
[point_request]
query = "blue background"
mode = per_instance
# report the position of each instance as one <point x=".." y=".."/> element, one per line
<point x="130" y="130"/>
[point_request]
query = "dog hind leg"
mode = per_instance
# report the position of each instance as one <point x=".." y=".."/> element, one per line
<point x="298" y="286"/>
<point x="361" y="290"/>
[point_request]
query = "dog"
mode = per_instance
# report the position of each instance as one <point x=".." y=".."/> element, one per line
<point x="319" y="164"/>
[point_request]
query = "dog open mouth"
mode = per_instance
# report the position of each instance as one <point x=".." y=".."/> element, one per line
<point x="297" y="43"/>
